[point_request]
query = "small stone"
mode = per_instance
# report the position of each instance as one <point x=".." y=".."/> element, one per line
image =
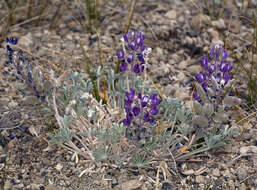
<point x="166" y="186"/>
<point x="159" y="51"/>
<point x="220" y="24"/>
<point x="172" y="14"/>
<point x="213" y="33"/>
<point x="26" y="40"/>
<point x="199" y="179"/>
<point x="131" y="185"/>
<point x="248" y="149"/>
<point x="182" y="65"/>
<point x="189" y="172"/>
<point x="194" y="69"/>
<point x="242" y="173"/>
<point x="59" y="167"/>
<point x="216" y="172"/>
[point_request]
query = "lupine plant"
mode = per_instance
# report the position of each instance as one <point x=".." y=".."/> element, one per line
<point x="136" y="126"/>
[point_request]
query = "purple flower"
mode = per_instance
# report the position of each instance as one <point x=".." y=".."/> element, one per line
<point x="196" y="96"/>
<point x="126" y="122"/>
<point x="146" y="117"/>
<point x="154" y="110"/>
<point x="130" y="57"/>
<point x="155" y="100"/>
<point x="211" y="68"/>
<point x="120" y="54"/>
<point x="136" y="68"/>
<point x="130" y="95"/>
<point x="201" y="77"/>
<point x="12" y="40"/>
<point x="123" y="66"/>
<point x="144" y="101"/>
<point x="136" y="110"/>
<point x="204" y="62"/>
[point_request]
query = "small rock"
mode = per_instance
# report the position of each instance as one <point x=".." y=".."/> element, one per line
<point x="213" y="33"/>
<point x="26" y="40"/>
<point x="50" y="187"/>
<point x="159" y="51"/>
<point x="166" y="186"/>
<point x="188" y="40"/>
<point x="182" y="65"/>
<point x="194" y="69"/>
<point x="130" y="185"/>
<point x="248" y="149"/>
<point x="242" y="173"/>
<point x="220" y="24"/>
<point x="199" y="179"/>
<point x="59" y="167"/>
<point x="1" y="150"/>
<point x="172" y="14"/>
<point x="216" y="172"/>
<point x="189" y="172"/>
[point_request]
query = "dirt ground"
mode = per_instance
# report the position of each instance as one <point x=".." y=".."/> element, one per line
<point x="179" y="36"/>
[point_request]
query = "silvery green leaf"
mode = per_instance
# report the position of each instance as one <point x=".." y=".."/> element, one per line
<point x="198" y="107"/>
<point x="200" y="121"/>
<point x="66" y="120"/>
<point x="230" y="101"/>
<point x="220" y="117"/>
<point x="61" y="136"/>
<point x="208" y="109"/>
<point x="201" y="92"/>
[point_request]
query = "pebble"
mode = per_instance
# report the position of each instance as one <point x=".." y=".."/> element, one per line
<point x="242" y="173"/>
<point x="172" y="14"/>
<point x="248" y="149"/>
<point x="216" y="172"/>
<point x="213" y="33"/>
<point x="199" y="179"/>
<point x="182" y="65"/>
<point x="26" y="40"/>
<point x="220" y="24"/>
<point x="194" y="69"/>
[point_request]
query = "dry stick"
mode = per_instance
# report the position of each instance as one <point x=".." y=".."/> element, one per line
<point x="238" y="157"/>
<point x="25" y="22"/>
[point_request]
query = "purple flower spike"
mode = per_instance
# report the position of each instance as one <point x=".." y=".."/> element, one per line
<point x="155" y="100"/>
<point x="144" y="101"/>
<point x="130" y="57"/>
<point x="154" y="110"/>
<point x="201" y="77"/>
<point x="120" y="54"/>
<point x="123" y="66"/>
<point x="136" y="110"/>
<point x="136" y="68"/>
<point x="204" y="62"/>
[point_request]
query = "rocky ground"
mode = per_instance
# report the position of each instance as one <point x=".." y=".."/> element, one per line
<point x="179" y="36"/>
